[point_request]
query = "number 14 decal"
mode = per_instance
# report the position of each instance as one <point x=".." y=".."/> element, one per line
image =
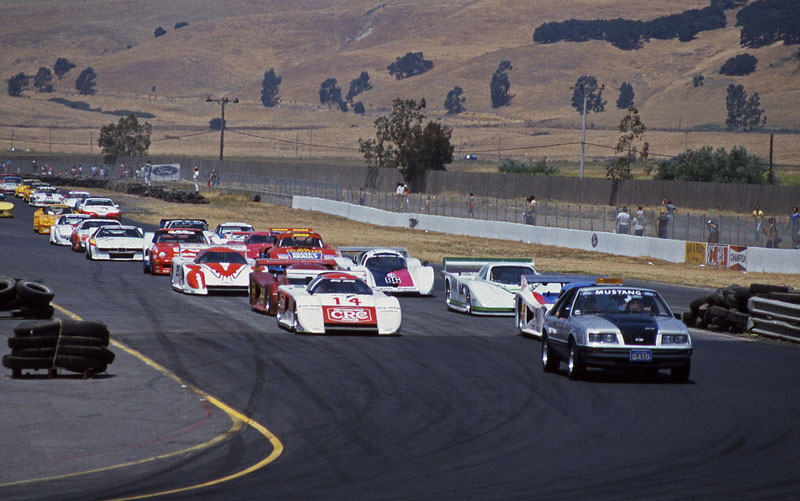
<point x="353" y="300"/>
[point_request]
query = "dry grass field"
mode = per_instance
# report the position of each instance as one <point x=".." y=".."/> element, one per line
<point x="433" y="247"/>
<point x="227" y="47"/>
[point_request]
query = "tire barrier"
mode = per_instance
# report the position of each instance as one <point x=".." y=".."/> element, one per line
<point x="72" y="345"/>
<point x="764" y="309"/>
<point x="26" y="298"/>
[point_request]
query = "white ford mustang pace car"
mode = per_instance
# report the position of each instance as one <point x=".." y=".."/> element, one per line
<point x="119" y="243"/>
<point x="337" y="301"/>
<point x="61" y="232"/>
<point x="392" y="270"/>
<point x="490" y="290"/>
<point x="213" y="269"/>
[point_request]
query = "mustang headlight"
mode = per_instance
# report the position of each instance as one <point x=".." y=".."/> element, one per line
<point x="162" y="254"/>
<point x="603" y="337"/>
<point x="674" y="339"/>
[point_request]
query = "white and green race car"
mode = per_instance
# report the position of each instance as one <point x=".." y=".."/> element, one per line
<point x="484" y="286"/>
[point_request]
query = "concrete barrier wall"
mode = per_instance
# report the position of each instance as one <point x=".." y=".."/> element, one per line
<point x="758" y="259"/>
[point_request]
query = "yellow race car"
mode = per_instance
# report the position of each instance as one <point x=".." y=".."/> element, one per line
<point x="6" y="209"/>
<point x="46" y="217"/>
<point x="22" y="187"/>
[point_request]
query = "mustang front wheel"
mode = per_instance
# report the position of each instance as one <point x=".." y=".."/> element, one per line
<point x="575" y="364"/>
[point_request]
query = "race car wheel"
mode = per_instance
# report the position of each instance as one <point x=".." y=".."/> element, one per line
<point x="468" y="302"/>
<point x="549" y="360"/>
<point x="88" y="253"/>
<point x="681" y="374"/>
<point x="295" y="322"/>
<point x="146" y="265"/>
<point x="575" y="365"/>
<point x="447" y="292"/>
<point x="521" y="315"/>
<point x="33" y="294"/>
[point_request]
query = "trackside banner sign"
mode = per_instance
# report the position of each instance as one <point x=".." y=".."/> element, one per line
<point x="727" y="256"/>
<point x="165" y="172"/>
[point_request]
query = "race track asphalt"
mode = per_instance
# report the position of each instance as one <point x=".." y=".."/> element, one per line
<point x="455" y="407"/>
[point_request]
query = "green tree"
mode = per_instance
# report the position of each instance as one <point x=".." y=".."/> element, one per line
<point x="358" y="85"/>
<point x="17" y="84"/>
<point x="86" y="82"/>
<point x="743" y="112"/>
<point x="330" y="93"/>
<point x="358" y="108"/>
<point x="270" y="87"/>
<point x="43" y="79"/>
<point x="500" y="85"/>
<point x="720" y="166"/>
<point x="413" y="63"/>
<point x="128" y="138"/>
<point x="631" y="144"/>
<point x="626" y="96"/>
<point x="180" y="24"/>
<point x="62" y="67"/>
<point x="402" y="142"/>
<point x="159" y="32"/>
<point x="594" y="95"/>
<point x="743" y="64"/>
<point x="454" y="102"/>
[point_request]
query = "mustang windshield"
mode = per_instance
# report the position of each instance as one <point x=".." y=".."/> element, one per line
<point x="221" y="257"/>
<point x="385" y="263"/>
<point x="622" y="300"/>
<point x="296" y="241"/>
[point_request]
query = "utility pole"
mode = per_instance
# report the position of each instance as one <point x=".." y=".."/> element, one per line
<point x="222" y="102"/>
<point x="583" y="131"/>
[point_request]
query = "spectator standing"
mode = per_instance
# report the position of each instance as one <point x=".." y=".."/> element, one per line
<point x="624" y="222"/>
<point x="771" y="232"/>
<point x="398" y="193"/>
<point x="530" y="210"/>
<point x="196" y="179"/>
<point x="758" y="218"/>
<point x="794" y="220"/>
<point x="471" y="204"/>
<point x="406" y="192"/>
<point x="661" y="223"/>
<point x="639" y="222"/>
<point x="671" y="210"/>
<point x="713" y="232"/>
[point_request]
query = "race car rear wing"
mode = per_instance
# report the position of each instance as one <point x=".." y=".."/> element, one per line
<point x="459" y="265"/>
<point x="550" y="285"/>
<point x="353" y="252"/>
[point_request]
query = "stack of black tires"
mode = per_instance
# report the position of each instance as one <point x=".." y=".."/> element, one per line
<point x="71" y="345"/>
<point x="727" y="307"/>
<point x="26" y="298"/>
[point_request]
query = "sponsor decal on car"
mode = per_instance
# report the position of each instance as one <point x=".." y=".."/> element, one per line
<point x="349" y="315"/>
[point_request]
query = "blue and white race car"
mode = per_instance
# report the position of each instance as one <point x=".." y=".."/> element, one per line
<point x="536" y="296"/>
<point x="488" y="291"/>
<point x="391" y="269"/>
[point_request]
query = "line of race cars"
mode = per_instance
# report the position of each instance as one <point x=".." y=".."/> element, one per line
<point x="310" y="287"/>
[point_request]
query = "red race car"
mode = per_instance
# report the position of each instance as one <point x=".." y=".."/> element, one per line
<point x="166" y="243"/>
<point x="301" y="245"/>
<point x="264" y="284"/>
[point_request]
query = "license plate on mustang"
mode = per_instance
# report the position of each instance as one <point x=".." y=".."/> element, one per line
<point x="641" y="356"/>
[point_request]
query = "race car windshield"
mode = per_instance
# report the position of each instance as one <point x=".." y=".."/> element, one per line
<point x="341" y="286"/>
<point x="221" y="257"/>
<point x="110" y="231"/>
<point x="261" y="239"/>
<point x="231" y="229"/>
<point x="99" y="202"/>
<point x="385" y="263"/>
<point x="308" y="242"/>
<point x="97" y="224"/>
<point x="184" y="238"/>
<point x="605" y="301"/>
<point x="510" y="275"/>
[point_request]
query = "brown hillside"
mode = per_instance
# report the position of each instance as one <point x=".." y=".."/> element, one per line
<point x="227" y="47"/>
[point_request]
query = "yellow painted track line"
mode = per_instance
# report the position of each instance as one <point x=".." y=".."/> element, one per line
<point x="239" y="421"/>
